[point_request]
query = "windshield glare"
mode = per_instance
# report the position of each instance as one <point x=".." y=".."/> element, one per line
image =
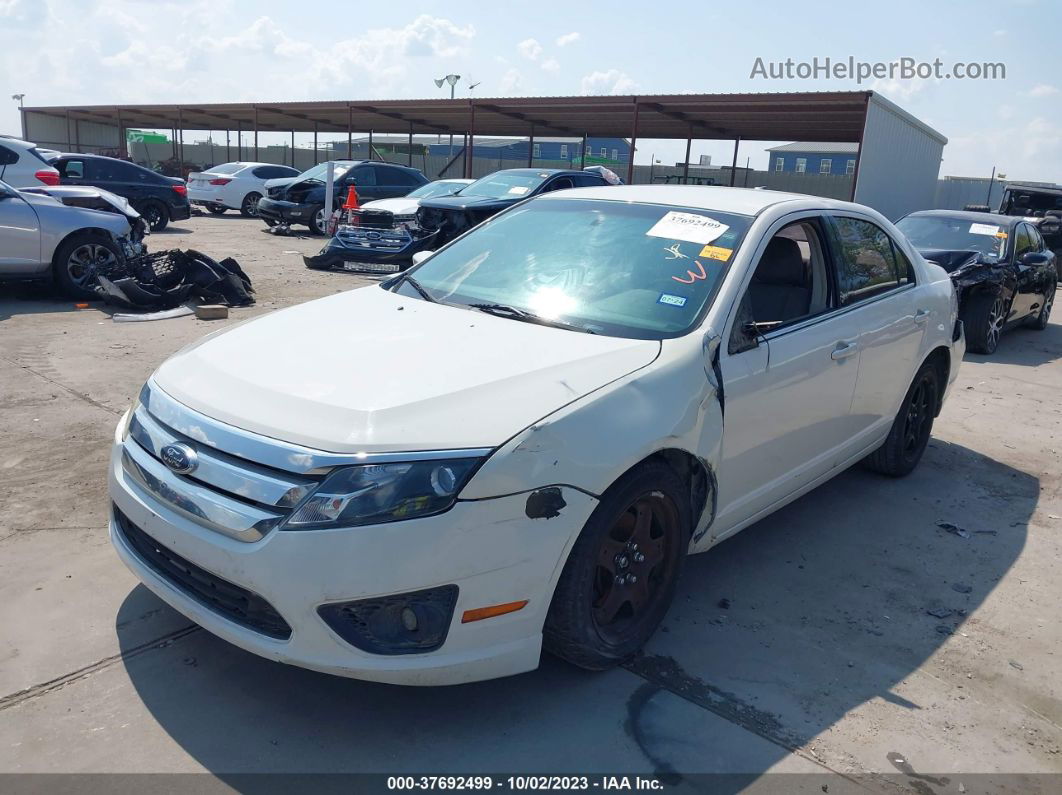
<point x="502" y="185"/>
<point x="954" y="234"/>
<point x="320" y="171"/>
<point x="439" y="188"/>
<point x="643" y="271"/>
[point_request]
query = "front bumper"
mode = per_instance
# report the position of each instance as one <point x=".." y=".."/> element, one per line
<point x="285" y="212"/>
<point x="371" y="250"/>
<point x="489" y="548"/>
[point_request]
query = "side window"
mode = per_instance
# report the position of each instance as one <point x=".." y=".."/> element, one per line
<point x="867" y="261"/>
<point x="560" y="183"/>
<point x="396" y="176"/>
<point x="904" y="268"/>
<point x="362" y="176"/>
<point x="588" y="181"/>
<point x="791" y="283"/>
<point x="1025" y="241"/>
<point x="74" y="169"/>
<point x="116" y="171"/>
<point x="263" y="172"/>
<point x="7" y="157"/>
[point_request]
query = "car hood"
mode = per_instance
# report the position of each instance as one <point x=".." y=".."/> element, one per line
<point x="89" y="198"/>
<point x="59" y="217"/>
<point x="396" y="206"/>
<point x="279" y="182"/>
<point x="467" y="202"/>
<point x="372" y="371"/>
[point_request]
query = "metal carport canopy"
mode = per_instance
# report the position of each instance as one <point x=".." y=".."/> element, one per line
<point x="806" y="116"/>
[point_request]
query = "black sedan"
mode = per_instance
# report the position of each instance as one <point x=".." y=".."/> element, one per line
<point x="452" y="215"/>
<point x="1004" y="273"/>
<point x="159" y="199"/>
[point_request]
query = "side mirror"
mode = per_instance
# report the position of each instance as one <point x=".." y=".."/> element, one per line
<point x="1033" y="259"/>
<point x="420" y="256"/>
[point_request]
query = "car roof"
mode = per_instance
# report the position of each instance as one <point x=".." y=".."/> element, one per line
<point x="743" y="201"/>
<point x="534" y="172"/>
<point x="1048" y="189"/>
<point x="10" y="139"/>
<point x="969" y="215"/>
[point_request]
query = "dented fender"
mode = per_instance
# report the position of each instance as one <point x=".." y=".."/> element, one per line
<point x="589" y="443"/>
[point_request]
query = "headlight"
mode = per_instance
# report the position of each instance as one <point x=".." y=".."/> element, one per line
<point x="375" y="493"/>
<point x="140" y="399"/>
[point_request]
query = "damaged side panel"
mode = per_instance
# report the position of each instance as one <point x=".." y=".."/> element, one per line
<point x="590" y="443"/>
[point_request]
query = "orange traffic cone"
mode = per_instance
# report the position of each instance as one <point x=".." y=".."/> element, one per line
<point x="352" y="199"/>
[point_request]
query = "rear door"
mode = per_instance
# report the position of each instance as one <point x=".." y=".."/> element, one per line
<point x="1027" y="241"/>
<point x="789" y="384"/>
<point x="394" y="182"/>
<point x="877" y="290"/>
<point x="363" y="178"/>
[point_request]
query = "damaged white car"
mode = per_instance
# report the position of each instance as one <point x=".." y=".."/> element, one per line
<point x="516" y="443"/>
<point x="67" y="234"/>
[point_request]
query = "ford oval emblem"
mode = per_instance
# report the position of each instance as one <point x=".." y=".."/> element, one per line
<point x="179" y="457"/>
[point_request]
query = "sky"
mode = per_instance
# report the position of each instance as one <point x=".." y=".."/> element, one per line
<point x="158" y="51"/>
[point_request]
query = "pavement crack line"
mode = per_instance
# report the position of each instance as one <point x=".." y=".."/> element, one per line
<point x="18" y="697"/>
<point x="71" y="390"/>
<point x="665" y="674"/>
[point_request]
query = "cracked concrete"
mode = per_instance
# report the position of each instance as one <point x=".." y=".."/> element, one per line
<point x="823" y="661"/>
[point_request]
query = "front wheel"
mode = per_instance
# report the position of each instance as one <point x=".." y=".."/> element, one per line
<point x="156" y="216"/>
<point x="79" y="262"/>
<point x="621" y="574"/>
<point x="216" y="209"/>
<point x="249" y="205"/>
<point x="318" y="221"/>
<point x="907" y="440"/>
<point x="984" y="317"/>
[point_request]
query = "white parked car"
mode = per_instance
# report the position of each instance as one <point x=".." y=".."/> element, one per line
<point x="519" y="439"/>
<point x="234" y="186"/>
<point x="22" y="164"/>
<point x="405" y="207"/>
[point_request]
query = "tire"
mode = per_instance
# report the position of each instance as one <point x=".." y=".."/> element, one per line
<point x="271" y="221"/>
<point x="984" y="317"/>
<point x="318" y="220"/>
<point x="216" y="209"/>
<point x="1040" y="321"/>
<point x="249" y="205"/>
<point x="78" y="261"/>
<point x="155" y="214"/>
<point x="907" y="440"/>
<point x="578" y="625"/>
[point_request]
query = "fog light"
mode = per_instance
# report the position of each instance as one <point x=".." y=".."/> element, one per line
<point x="409" y="623"/>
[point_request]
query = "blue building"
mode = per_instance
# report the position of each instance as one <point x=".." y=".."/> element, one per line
<point x="814" y="158"/>
<point x="599" y="151"/>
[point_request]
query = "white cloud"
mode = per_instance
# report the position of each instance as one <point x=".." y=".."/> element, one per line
<point x="611" y="82"/>
<point x="901" y="90"/>
<point x="511" y="81"/>
<point x="1042" y="90"/>
<point x="999" y="32"/>
<point x="568" y="38"/>
<point x="1020" y="151"/>
<point x="530" y="49"/>
<point x="551" y="65"/>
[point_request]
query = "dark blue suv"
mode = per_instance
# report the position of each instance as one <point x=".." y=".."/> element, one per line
<point x="159" y="199"/>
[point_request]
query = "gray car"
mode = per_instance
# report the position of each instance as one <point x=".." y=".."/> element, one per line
<point x="70" y="235"/>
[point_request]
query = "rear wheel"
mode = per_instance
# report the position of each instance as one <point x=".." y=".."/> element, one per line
<point x="1041" y="320"/>
<point x="318" y="220"/>
<point x="156" y="215"/>
<point x="249" y="205"/>
<point x="910" y="432"/>
<point x="216" y="209"/>
<point x="983" y="318"/>
<point x="621" y="574"/>
<point x="79" y="262"/>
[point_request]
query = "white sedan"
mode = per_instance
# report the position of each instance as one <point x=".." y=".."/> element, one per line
<point x="405" y="207"/>
<point x="234" y="186"/>
<point x="518" y="441"/>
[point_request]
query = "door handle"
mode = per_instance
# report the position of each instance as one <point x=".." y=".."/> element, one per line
<point x="921" y="316"/>
<point x="844" y="349"/>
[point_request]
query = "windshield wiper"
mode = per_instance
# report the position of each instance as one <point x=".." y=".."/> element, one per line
<point x="515" y="313"/>
<point x="405" y="277"/>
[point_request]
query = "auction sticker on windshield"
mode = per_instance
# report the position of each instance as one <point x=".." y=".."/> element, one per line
<point x="717" y="252"/>
<point x="687" y="226"/>
<point x="984" y="229"/>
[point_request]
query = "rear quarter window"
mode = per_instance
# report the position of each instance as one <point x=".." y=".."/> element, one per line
<point x="7" y="157"/>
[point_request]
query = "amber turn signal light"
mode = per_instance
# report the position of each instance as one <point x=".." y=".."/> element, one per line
<point x="481" y="613"/>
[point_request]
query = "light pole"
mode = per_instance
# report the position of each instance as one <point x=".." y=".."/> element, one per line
<point x="22" y="116"/>
<point x="452" y="80"/>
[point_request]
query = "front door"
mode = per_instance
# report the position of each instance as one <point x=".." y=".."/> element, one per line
<point x="790" y="363"/>
<point x="21" y="231"/>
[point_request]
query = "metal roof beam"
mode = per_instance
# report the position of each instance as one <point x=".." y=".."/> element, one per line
<point x="538" y="123"/>
<point x="422" y="123"/>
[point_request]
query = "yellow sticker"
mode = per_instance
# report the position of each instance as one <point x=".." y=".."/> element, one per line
<point x="717" y="252"/>
<point x="1001" y="234"/>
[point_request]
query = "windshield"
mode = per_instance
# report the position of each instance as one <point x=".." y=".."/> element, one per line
<point x="1017" y="202"/>
<point x="437" y="188"/>
<point x="643" y="271"/>
<point x="320" y="171"/>
<point x="954" y="234"/>
<point x="226" y="168"/>
<point x="505" y="185"/>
